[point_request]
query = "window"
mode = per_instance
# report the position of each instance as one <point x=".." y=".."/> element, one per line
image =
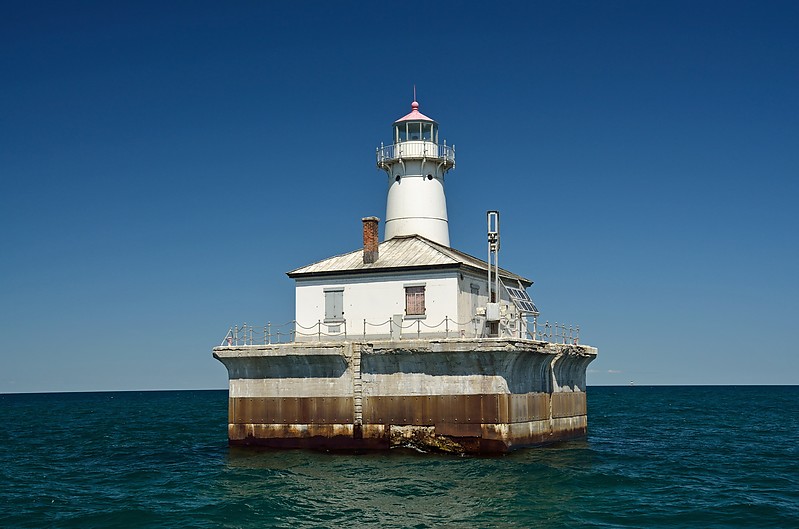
<point x="414" y="301"/>
<point x="427" y="134"/>
<point x="334" y="304"/>
<point x="474" y="297"/>
<point x="414" y="131"/>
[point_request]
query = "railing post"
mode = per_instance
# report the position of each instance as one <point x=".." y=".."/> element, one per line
<point x="418" y="329"/>
<point x="269" y="327"/>
<point x="319" y="330"/>
<point x="578" y="335"/>
<point x="446" y="326"/>
<point x="364" y="328"/>
<point x="345" y="330"/>
<point x="236" y="335"/>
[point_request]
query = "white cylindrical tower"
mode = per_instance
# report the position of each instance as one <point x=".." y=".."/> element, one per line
<point x="415" y="164"/>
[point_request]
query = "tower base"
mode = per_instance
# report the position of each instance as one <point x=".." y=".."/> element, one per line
<point x="462" y="395"/>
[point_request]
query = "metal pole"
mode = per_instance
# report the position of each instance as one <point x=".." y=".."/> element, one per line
<point x="319" y="330"/>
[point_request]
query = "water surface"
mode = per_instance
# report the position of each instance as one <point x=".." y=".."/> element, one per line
<point x="654" y="457"/>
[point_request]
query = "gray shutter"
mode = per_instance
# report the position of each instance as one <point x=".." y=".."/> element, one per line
<point x="334" y="305"/>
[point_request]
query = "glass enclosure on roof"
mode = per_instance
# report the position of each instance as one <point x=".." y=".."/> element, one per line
<point x="415" y="131"/>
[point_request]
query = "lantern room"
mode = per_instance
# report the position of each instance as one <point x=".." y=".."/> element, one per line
<point x="415" y="127"/>
<point x="415" y="164"/>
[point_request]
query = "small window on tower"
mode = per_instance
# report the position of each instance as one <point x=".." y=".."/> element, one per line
<point x="414" y="301"/>
<point x="427" y="132"/>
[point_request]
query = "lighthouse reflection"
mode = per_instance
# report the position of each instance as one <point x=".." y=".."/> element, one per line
<point x="403" y="488"/>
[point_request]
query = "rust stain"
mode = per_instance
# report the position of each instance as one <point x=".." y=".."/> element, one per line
<point x="291" y="410"/>
<point x="487" y="423"/>
<point x="568" y="404"/>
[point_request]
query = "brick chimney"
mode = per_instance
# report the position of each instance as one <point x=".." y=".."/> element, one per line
<point x="370" y="239"/>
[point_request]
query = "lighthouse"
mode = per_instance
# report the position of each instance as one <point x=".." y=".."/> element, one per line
<point x="407" y="342"/>
<point x="416" y="164"/>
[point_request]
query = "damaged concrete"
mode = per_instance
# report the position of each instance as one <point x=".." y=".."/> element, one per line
<point x="451" y="395"/>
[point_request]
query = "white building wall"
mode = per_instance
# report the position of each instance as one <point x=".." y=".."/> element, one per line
<point x="472" y="307"/>
<point x="377" y="299"/>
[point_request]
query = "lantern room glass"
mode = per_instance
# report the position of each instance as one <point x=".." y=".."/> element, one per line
<point x="415" y="131"/>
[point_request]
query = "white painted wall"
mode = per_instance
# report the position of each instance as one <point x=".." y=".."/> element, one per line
<point x="377" y="298"/>
<point x="416" y="204"/>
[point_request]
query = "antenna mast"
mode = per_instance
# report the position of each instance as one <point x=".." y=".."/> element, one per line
<point x="493" y="255"/>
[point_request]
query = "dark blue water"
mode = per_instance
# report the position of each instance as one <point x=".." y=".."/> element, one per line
<point x="655" y="457"/>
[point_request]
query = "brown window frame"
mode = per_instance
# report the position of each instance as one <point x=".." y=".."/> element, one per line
<point x="415" y="301"/>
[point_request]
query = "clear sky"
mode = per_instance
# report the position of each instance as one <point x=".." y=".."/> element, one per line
<point x="163" y="164"/>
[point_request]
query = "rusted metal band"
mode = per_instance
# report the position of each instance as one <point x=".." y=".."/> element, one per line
<point x="290" y="410"/>
<point x="568" y="404"/>
<point x="412" y="410"/>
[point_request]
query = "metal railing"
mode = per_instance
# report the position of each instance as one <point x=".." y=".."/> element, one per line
<point x="416" y="327"/>
<point x="415" y="149"/>
<point x="292" y="331"/>
<point x="557" y="333"/>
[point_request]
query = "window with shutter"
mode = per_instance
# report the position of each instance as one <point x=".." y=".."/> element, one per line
<point x="334" y="305"/>
<point x="414" y="301"/>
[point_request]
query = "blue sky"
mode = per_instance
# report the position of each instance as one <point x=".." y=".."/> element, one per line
<point x="164" y="164"/>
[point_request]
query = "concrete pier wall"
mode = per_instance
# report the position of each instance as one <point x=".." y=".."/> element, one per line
<point x="466" y="395"/>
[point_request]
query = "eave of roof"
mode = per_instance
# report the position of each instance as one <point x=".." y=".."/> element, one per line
<point x="401" y="254"/>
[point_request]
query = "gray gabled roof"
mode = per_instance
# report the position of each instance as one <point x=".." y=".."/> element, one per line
<point x="401" y="254"/>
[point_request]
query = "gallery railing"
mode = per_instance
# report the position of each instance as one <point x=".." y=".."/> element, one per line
<point x="416" y="149"/>
<point x="321" y="331"/>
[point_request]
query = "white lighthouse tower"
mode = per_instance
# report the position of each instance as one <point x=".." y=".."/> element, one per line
<point x="416" y="164"/>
